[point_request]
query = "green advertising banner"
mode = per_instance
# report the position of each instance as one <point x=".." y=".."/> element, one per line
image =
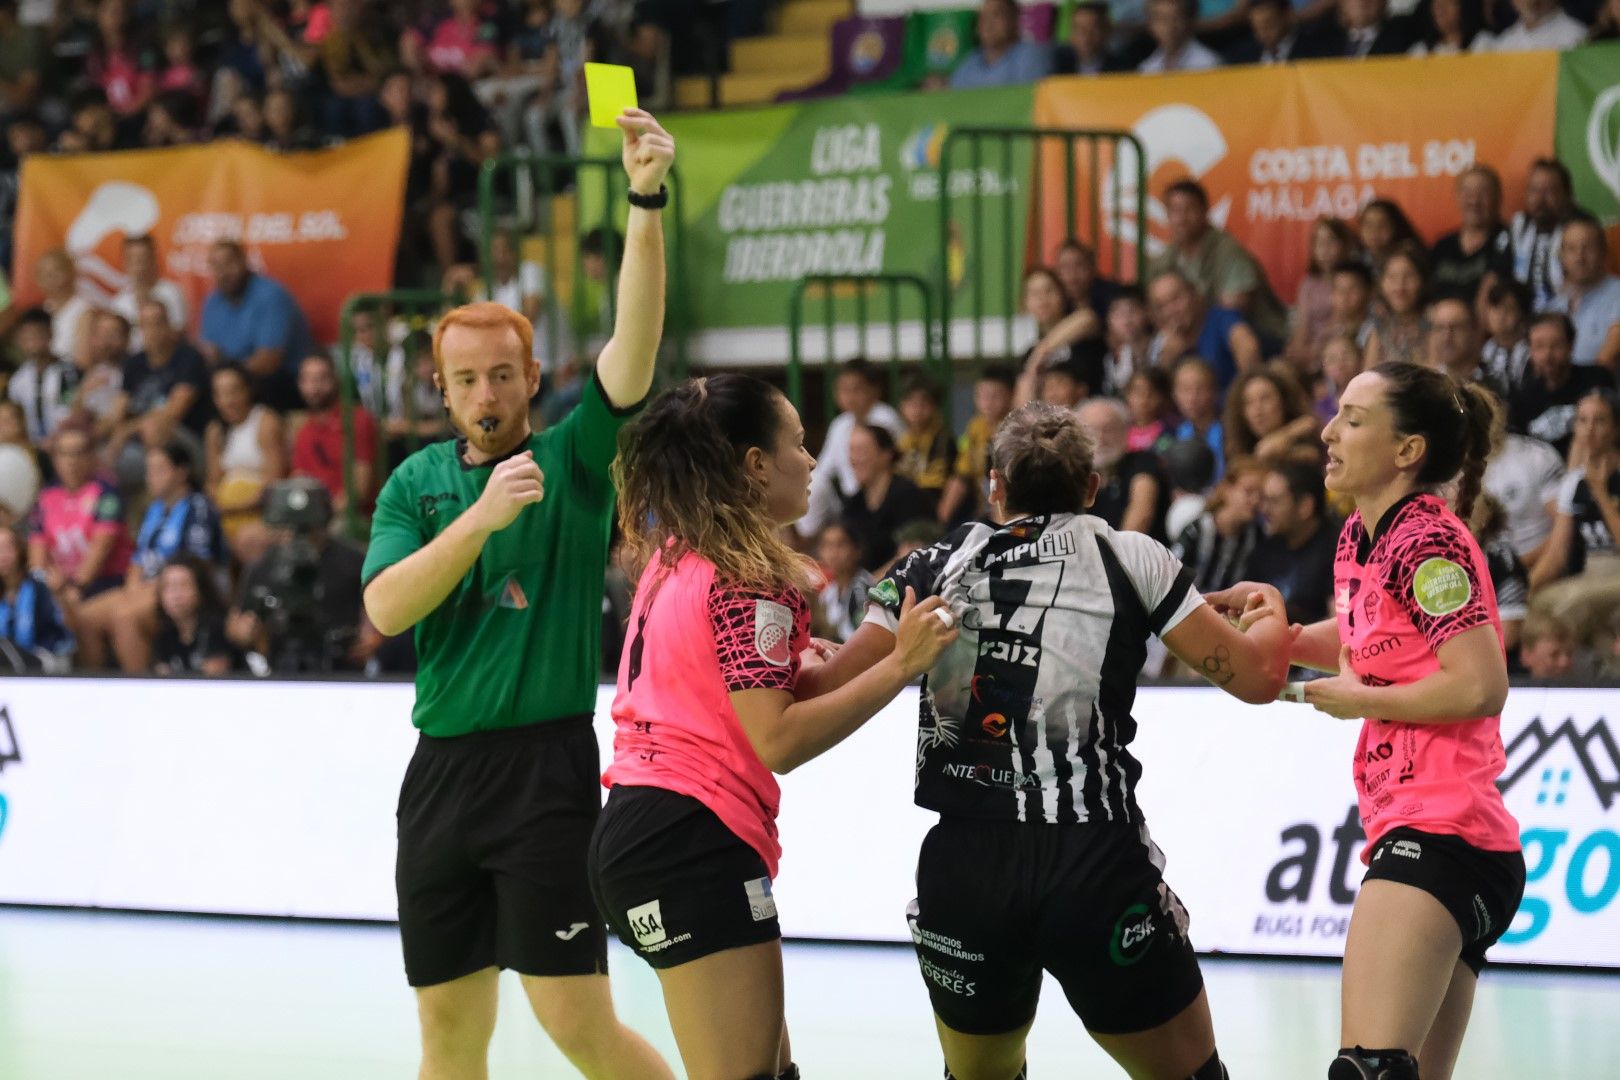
<point x="1588" y="138"/>
<point x="844" y="186"/>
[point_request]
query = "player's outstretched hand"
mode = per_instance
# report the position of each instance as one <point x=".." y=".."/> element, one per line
<point x="925" y="630"/>
<point x="649" y="150"/>
<point x="514" y="484"/>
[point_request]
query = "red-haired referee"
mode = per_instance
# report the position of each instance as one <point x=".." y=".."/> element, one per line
<point x="493" y="548"/>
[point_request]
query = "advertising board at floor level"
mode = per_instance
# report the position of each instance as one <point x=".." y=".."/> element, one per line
<point x="268" y="798"/>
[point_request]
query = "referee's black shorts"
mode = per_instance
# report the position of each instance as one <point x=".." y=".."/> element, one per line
<point x="493" y="833"/>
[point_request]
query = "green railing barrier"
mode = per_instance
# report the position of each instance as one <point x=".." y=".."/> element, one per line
<point x="861" y="292"/>
<point x="1086" y="214"/>
<point x="561" y="201"/>
<point x="419" y="309"/>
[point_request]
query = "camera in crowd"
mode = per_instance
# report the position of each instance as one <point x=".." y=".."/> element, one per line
<point x="288" y="594"/>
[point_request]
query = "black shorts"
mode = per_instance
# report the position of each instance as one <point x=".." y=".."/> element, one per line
<point x="1480" y="888"/>
<point x="999" y="901"/>
<point x="493" y="829"/>
<point x="673" y="882"/>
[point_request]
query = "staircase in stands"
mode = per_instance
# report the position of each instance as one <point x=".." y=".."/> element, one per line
<point x="796" y="55"/>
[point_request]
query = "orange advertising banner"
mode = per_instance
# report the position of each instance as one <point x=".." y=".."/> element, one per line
<point x="324" y="223"/>
<point x="1279" y="147"/>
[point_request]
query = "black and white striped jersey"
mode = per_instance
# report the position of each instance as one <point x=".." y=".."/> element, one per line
<point x="1028" y="715"/>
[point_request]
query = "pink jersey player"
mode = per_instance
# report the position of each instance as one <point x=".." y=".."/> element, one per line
<point x="693" y="641"/>
<point x="713" y="702"/>
<point x="66" y="522"/>
<point x="1415" y="652"/>
<point x="1399" y="595"/>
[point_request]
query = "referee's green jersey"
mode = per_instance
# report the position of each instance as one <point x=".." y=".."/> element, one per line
<point x="519" y="640"/>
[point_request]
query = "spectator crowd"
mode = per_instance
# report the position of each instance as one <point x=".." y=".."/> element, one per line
<point x="1206" y="398"/>
<point x="142" y="443"/>
<point x="1158" y="36"/>
<point x="142" y="482"/>
<point x="467" y="78"/>
<point x="168" y="478"/>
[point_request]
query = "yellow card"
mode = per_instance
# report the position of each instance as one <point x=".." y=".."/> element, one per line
<point x="611" y="89"/>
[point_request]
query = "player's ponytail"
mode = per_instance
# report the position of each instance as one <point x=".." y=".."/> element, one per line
<point x="1045" y="458"/>
<point x="1459" y="423"/>
<point x="682" y="485"/>
<point x="1481" y="410"/>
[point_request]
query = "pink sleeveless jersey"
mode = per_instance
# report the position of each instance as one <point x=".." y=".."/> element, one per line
<point x="693" y="641"/>
<point x="1423" y="582"/>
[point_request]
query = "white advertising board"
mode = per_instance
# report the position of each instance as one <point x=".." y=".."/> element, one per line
<point x="270" y="798"/>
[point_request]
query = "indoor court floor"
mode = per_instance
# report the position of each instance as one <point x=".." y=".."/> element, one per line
<point x="94" y="996"/>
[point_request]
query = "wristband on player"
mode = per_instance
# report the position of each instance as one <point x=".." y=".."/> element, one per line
<point x="649" y="202"/>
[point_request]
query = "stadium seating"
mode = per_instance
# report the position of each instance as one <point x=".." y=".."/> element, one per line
<point x="863" y="51"/>
<point x="935" y="43"/>
<point x="762" y="67"/>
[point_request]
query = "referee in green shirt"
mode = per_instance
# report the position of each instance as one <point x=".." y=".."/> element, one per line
<point x="493" y="547"/>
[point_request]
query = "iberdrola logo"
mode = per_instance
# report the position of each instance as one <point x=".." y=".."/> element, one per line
<point x="921" y="147"/>
<point x="1603" y="139"/>
<point x="921" y="150"/>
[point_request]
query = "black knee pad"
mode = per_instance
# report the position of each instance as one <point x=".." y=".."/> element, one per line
<point x="1023" y="1072"/>
<point x="1211" y="1069"/>
<point x="1357" y="1063"/>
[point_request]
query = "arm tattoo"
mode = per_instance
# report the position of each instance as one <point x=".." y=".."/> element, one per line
<point x="1217" y="666"/>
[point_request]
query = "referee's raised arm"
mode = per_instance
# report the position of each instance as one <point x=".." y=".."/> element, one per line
<point x="625" y="366"/>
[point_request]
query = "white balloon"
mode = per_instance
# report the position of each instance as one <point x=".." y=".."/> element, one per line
<point x="19" y="479"/>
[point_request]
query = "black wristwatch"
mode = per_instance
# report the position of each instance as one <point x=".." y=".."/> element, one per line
<point x="649" y="202"/>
